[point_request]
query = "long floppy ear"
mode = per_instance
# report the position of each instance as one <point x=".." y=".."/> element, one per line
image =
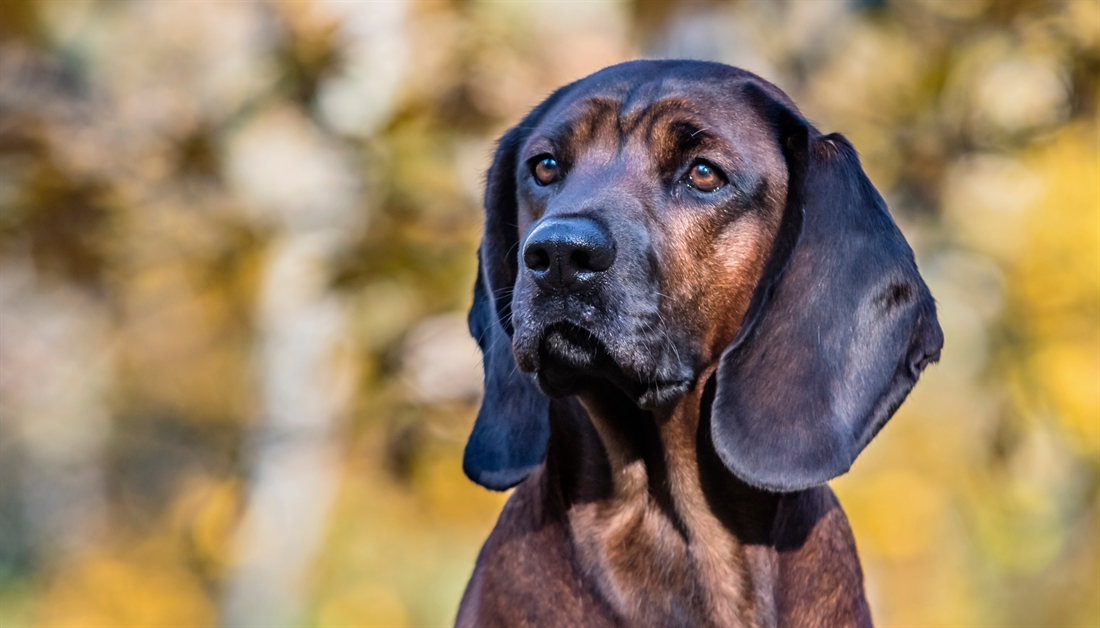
<point x="838" y="330"/>
<point x="513" y="425"/>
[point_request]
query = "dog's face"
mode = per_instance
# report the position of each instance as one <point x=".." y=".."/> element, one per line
<point x="660" y="221"/>
<point x="645" y="215"/>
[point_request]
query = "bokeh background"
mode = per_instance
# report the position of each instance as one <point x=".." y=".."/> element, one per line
<point x="237" y="245"/>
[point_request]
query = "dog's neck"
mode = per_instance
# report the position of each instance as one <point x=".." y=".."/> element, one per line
<point x="664" y="531"/>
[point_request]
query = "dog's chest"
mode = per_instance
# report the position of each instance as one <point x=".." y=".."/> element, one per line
<point x="655" y="572"/>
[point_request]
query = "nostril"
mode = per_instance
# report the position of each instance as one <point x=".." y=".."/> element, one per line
<point x="537" y="259"/>
<point x="599" y="258"/>
<point x="581" y="260"/>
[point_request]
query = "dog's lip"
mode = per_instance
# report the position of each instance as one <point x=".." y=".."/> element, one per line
<point x="573" y="351"/>
<point x="573" y="334"/>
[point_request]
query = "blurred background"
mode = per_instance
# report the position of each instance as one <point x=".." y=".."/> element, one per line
<point x="237" y="245"/>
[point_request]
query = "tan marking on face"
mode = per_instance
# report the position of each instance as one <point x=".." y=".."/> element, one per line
<point x="713" y="286"/>
<point x="589" y="139"/>
<point x="738" y="264"/>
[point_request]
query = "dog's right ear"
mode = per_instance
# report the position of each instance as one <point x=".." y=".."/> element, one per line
<point x="513" y="425"/>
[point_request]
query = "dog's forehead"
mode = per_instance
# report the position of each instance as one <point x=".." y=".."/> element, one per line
<point x="710" y="96"/>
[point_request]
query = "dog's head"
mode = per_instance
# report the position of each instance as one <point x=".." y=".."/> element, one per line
<point x="659" y="219"/>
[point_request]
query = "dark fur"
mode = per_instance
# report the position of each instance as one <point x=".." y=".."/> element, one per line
<point x="671" y="421"/>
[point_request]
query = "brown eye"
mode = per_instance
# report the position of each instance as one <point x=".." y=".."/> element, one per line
<point x="547" y="171"/>
<point x="705" y="177"/>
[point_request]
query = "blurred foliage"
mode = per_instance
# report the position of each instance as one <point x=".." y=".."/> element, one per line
<point x="141" y="216"/>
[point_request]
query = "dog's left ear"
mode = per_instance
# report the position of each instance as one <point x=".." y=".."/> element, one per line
<point x="839" y="327"/>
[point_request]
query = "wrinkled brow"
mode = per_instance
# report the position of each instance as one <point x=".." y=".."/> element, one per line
<point x="598" y="119"/>
<point x="672" y="140"/>
<point x="670" y="128"/>
<point x="589" y="121"/>
<point x="676" y="137"/>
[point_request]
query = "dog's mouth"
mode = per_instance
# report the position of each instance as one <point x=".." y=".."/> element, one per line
<point x="574" y="347"/>
<point x="572" y="358"/>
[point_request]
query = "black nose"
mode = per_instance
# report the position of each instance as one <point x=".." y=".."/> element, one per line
<point x="563" y="252"/>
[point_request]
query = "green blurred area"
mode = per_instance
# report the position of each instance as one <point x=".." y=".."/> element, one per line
<point x="237" y="243"/>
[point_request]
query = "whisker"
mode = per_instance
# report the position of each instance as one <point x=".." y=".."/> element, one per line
<point x="672" y="345"/>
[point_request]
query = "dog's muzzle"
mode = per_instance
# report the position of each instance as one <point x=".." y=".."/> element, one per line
<point x="569" y="337"/>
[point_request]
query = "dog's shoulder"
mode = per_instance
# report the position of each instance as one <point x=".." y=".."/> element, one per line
<point x="820" y="578"/>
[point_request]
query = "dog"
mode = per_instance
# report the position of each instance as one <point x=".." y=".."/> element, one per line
<point x="694" y="310"/>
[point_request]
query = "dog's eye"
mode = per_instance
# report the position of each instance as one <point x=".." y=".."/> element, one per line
<point x="546" y="171"/>
<point x="704" y="177"/>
